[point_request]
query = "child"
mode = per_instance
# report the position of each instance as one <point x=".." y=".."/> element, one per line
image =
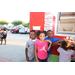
<point x="41" y="47"/>
<point x="65" y="53"/>
<point x="54" y="41"/>
<point x="30" y="47"/>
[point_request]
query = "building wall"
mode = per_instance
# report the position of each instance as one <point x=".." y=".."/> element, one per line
<point x="38" y="19"/>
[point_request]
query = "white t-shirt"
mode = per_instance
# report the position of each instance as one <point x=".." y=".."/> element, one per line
<point x="65" y="56"/>
<point x="5" y="32"/>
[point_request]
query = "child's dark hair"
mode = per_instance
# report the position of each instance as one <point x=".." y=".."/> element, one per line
<point x="39" y="32"/>
<point x="4" y="29"/>
<point x="64" y="44"/>
<point x="49" y="31"/>
<point x="32" y="31"/>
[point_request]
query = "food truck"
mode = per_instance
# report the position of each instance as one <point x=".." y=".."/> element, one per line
<point x="61" y="23"/>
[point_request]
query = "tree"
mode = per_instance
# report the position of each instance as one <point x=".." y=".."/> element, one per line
<point x="26" y="24"/>
<point x="16" y="22"/>
<point x="2" y="22"/>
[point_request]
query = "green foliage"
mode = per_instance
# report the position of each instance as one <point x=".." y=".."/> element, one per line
<point x="16" y="22"/>
<point x="23" y="23"/>
<point x="2" y="22"/>
<point x="26" y="24"/>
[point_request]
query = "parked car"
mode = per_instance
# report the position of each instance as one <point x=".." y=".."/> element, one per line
<point x="3" y="28"/>
<point x="15" y="30"/>
<point x="6" y="28"/>
<point x="28" y="31"/>
<point x="24" y="30"/>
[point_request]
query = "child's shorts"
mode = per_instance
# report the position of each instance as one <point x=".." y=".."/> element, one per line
<point x="40" y="60"/>
<point x="33" y="60"/>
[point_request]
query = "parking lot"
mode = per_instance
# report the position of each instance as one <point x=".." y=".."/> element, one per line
<point x="14" y="50"/>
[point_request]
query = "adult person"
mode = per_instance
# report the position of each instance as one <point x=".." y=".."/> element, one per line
<point x="4" y="36"/>
<point x="54" y="41"/>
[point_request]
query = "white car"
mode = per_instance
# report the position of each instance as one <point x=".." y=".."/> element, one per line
<point x="23" y="30"/>
<point x="28" y="31"/>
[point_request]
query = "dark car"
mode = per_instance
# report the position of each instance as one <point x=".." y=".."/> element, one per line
<point x="14" y="30"/>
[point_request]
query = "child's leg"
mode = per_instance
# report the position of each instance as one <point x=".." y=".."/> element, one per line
<point x="33" y="59"/>
<point x="1" y="40"/>
<point x="48" y="57"/>
<point x="5" y="40"/>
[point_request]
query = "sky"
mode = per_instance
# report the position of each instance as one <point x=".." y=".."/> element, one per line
<point x="11" y="16"/>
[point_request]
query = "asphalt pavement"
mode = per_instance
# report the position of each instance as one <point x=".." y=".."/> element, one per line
<point x="14" y="50"/>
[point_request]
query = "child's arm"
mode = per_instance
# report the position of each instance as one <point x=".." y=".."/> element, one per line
<point x="48" y="47"/>
<point x="74" y="46"/>
<point x="56" y="43"/>
<point x="36" y="54"/>
<point x="1" y="34"/>
<point x="73" y="43"/>
<point x="26" y="52"/>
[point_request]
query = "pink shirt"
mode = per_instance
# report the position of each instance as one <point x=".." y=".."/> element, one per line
<point x="41" y="49"/>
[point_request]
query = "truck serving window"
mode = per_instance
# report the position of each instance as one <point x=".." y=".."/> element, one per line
<point x="65" y="23"/>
